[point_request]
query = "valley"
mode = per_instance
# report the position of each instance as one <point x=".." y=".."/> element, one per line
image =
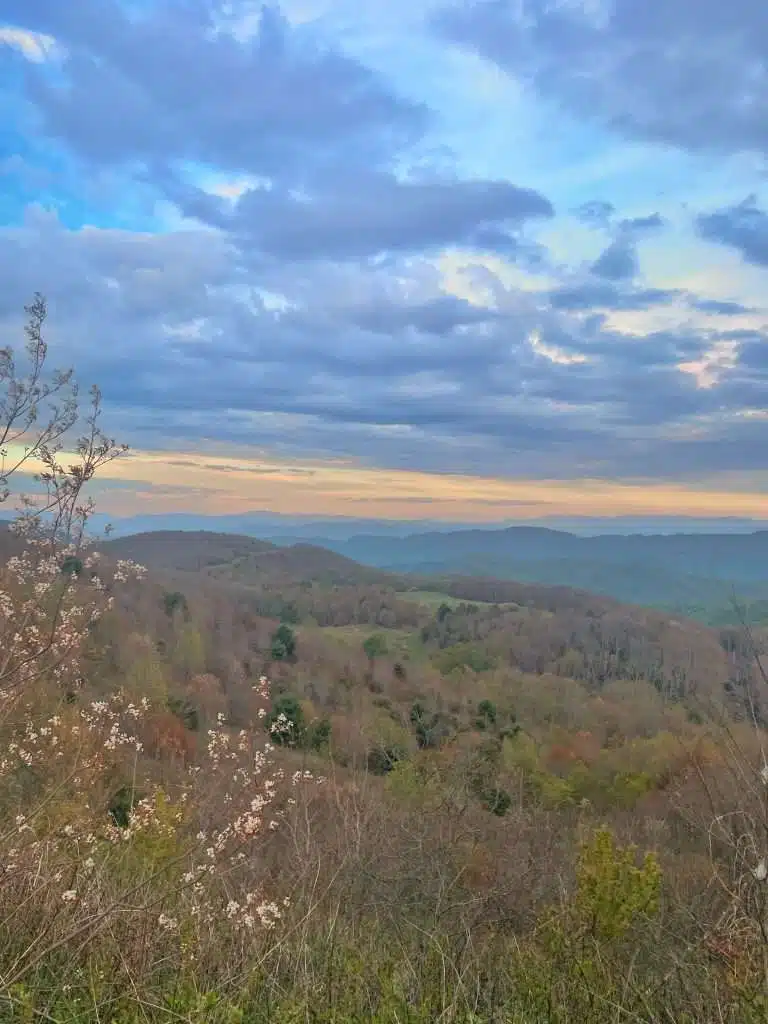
<point x="451" y="641"/>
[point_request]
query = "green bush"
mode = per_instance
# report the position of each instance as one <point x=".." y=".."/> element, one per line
<point x="72" y="566"/>
<point x="497" y="801"/>
<point x="121" y="805"/>
<point x="430" y="727"/>
<point x="612" y="890"/>
<point x="463" y="655"/>
<point x="317" y="735"/>
<point x="283" y="643"/>
<point x="486" y="714"/>
<point x="285" y="721"/>
<point x="175" y="601"/>
<point x="186" y="711"/>
<point x="381" y="760"/>
<point x="375" y="646"/>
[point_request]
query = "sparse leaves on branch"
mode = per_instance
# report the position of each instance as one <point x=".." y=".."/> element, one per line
<point x="93" y="845"/>
<point x="38" y="410"/>
<point x="51" y="590"/>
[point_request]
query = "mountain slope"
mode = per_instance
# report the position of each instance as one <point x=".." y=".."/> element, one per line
<point x="302" y="563"/>
<point x="241" y="559"/>
<point x="192" y="552"/>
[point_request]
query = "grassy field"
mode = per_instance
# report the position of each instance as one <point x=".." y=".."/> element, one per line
<point x="400" y="642"/>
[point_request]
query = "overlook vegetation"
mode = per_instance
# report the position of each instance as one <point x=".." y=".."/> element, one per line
<point x="247" y="783"/>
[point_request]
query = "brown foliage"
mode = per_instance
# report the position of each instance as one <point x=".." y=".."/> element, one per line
<point x="167" y="739"/>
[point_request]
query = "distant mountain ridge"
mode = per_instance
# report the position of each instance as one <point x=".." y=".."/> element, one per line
<point x="728" y="556"/>
<point x="269" y="526"/>
<point x="691" y="573"/>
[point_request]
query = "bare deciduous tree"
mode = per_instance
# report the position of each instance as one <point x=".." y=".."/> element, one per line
<point x="38" y="411"/>
<point x="47" y="604"/>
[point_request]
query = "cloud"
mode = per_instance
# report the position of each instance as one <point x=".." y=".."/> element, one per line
<point x="371" y="362"/>
<point x="361" y="214"/>
<point x="34" y="46"/>
<point x="686" y="73"/>
<point x="720" y="307"/>
<point x="618" y="262"/>
<point x="166" y="86"/>
<point x="607" y="295"/>
<point x="596" y="212"/>
<point x="248" y="250"/>
<point x="641" y="225"/>
<point x="619" y="297"/>
<point x="377" y="213"/>
<point x="326" y="139"/>
<point x="439" y="316"/>
<point x="171" y="484"/>
<point x="743" y="227"/>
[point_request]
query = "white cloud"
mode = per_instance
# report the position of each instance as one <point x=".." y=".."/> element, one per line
<point x="707" y="371"/>
<point x="555" y="354"/>
<point x="34" y="46"/>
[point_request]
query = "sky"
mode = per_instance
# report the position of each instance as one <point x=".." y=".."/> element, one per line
<point x="400" y="259"/>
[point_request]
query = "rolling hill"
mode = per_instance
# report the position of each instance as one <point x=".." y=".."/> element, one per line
<point x="241" y="559"/>
<point x="524" y="624"/>
<point x="193" y="552"/>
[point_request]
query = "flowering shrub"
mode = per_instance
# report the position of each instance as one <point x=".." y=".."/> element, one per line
<point x="184" y="860"/>
<point x="285" y="721"/>
<point x="46" y="615"/>
<point x="91" y="844"/>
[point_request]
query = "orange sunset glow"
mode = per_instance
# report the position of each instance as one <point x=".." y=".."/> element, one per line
<point x="173" y="482"/>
